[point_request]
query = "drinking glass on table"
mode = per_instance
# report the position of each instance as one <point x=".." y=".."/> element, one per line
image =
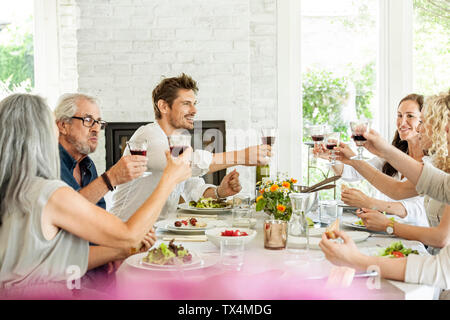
<point x="139" y="147"/>
<point x="232" y="252"/>
<point x="178" y="144"/>
<point x="328" y="212"/>
<point x="358" y="128"/>
<point x="331" y="141"/>
<point x="243" y="218"/>
<point x="242" y="201"/>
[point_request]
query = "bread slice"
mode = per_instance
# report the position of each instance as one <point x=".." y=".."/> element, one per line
<point x="329" y="232"/>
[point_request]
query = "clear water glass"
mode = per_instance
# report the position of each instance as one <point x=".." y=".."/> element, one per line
<point x="328" y="212"/>
<point x="232" y="253"/>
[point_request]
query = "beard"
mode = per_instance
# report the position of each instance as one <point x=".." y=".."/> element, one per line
<point x="179" y="124"/>
<point x="82" y="148"/>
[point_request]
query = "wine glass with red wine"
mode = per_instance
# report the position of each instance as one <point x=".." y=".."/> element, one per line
<point x="268" y="136"/>
<point x="332" y="140"/>
<point x="317" y="133"/>
<point x="358" y="128"/>
<point x="178" y="144"/>
<point x="139" y="147"/>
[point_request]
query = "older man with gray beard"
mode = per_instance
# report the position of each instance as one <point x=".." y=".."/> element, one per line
<point x="79" y="124"/>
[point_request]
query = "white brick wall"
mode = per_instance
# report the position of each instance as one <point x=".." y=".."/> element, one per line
<point x="118" y="50"/>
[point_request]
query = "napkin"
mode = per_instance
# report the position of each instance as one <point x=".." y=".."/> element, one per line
<point x="196" y="238"/>
<point x="188" y="216"/>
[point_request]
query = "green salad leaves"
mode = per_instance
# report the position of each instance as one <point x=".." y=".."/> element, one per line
<point x="397" y="250"/>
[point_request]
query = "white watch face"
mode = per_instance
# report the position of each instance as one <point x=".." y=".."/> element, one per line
<point x="390" y="230"/>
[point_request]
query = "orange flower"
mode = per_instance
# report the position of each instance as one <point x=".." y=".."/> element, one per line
<point x="293" y="180"/>
<point x="281" y="208"/>
<point x="259" y="198"/>
<point x="286" y="184"/>
<point x="274" y="187"/>
<point x="261" y="191"/>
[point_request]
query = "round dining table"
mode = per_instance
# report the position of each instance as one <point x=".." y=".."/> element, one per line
<point x="286" y="274"/>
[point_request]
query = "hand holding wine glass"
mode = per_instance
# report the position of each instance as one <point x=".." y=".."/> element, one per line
<point x="317" y="133"/>
<point x="331" y="141"/>
<point x="139" y="147"/>
<point x="268" y="137"/>
<point x="178" y="144"/>
<point x="178" y="168"/>
<point x="345" y="153"/>
<point x="358" y="128"/>
<point x="376" y="144"/>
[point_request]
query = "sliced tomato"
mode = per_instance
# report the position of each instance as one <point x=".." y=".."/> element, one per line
<point x="244" y="233"/>
<point x="398" y="254"/>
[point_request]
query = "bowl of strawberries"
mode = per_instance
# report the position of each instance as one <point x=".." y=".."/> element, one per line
<point x="217" y="234"/>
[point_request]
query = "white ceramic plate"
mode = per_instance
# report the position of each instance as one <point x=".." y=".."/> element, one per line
<point x="354" y="225"/>
<point x="316" y="232"/>
<point x="315" y="238"/>
<point x="358" y="236"/>
<point x="205" y="261"/>
<point x="195" y="260"/>
<point x="300" y="242"/>
<point x="215" y="235"/>
<point x="187" y="207"/>
<point x="169" y="225"/>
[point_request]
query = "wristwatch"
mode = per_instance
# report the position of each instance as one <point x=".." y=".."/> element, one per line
<point x="390" y="228"/>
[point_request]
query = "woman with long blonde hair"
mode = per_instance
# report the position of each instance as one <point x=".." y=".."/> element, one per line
<point x="430" y="270"/>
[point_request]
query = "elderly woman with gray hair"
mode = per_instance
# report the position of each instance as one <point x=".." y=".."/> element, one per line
<point x="46" y="226"/>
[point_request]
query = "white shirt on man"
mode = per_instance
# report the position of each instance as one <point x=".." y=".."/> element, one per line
<point x="130" y="196"/>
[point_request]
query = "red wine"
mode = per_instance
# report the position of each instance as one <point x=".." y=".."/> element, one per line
<point x="177" y="150"/>
<point x="331" y="146"/>
<point x="138" y="152"/>
<point x="359" y="138"/>
<point x="268" y="140"/>
<point x="317" y="138"/>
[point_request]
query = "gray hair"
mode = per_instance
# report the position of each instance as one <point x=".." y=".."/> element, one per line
<point x="67" y="105"/>
<point x="29" y="149"/>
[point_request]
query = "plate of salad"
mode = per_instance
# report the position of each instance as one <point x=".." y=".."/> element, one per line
<point x="206" y="205"/>
<point x="397" y="250"/>
<point x="166" y="257"/>
<point x="358" y="224"/>
<point x="170" y="257"/>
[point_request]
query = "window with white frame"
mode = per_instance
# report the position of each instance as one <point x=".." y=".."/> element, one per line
<point x="431" y="37"/>
<point x="339" y="48"/>
<point x="16" y="47"/>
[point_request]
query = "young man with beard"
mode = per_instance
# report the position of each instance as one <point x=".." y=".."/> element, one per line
<point x="174" y="102"/>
